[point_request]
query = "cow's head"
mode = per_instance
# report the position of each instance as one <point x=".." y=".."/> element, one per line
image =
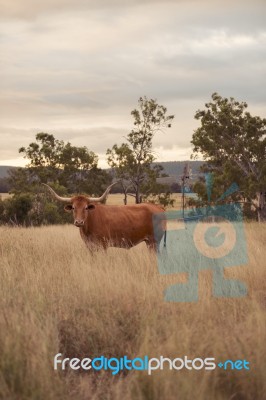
<point x="81" y="206"/>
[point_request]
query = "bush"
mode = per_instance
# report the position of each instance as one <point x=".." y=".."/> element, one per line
<point x="31" y="210"/>
<point x="15" y="209"/>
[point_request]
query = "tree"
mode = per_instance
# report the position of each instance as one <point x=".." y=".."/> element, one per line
<point x="16" y="209"/>
<point x="233" y="142"/>
<point x="132" y="161"/>
<point x="4" y="186"/>
<point x="20" y="181"/>
<point x="120" y="158"/>
<point x="65" y="167"/>
<point x="51" y="159"/>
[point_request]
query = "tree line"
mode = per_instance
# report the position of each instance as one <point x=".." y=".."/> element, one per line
<point x="231" y="141"/>
<point x="70" y="169"/>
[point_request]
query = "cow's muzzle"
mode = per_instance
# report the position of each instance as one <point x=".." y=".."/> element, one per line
<point x="79" y="223"/>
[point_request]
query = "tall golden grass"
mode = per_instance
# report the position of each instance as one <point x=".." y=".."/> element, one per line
<point x="118" y="199"/>
<point x="57" y="297"/>
<point x="4" y="196"/>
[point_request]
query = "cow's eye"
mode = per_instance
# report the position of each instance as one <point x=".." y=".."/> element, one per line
<point x="90" y="207"/>
<point x="69" y="207"/>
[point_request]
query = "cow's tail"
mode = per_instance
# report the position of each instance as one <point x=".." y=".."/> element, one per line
<point x="164" y="238"/>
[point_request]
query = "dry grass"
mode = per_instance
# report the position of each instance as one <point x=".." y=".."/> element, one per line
<point x="4" y="196"/>
<point x="56" y="296"/>
<point x="118" y="199"/>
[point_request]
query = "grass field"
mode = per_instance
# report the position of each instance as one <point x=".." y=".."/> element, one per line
<point x="57" y="297"/>
<point x="117" y="199"/>
<point x="4" y="196"/>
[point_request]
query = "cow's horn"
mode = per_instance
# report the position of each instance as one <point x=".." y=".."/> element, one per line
<point x="64" y="199"/>
<point x="103" y="196"/>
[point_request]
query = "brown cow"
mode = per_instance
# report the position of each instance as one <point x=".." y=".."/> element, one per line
<point x="113" y="226"/>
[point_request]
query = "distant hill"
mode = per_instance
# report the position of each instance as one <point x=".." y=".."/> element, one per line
<point x="3" y="170"/>
<point x="176" y="168"/>
<point x="171" y="168"/>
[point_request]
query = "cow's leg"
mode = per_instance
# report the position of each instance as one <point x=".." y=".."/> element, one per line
<point x="153" y="244"/>
<point x="91" y="247"/>
<point x="95" y="246"/>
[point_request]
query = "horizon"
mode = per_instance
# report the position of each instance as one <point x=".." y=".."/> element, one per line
<point x="155" y="162"/>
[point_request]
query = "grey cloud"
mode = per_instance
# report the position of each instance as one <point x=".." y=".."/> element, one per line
<point x="31" y="8"/>
<point x="12" y="139"/>
<point x="76" y="69"/>
<point x="73" y="100"/>
<point x="97" y="139"/>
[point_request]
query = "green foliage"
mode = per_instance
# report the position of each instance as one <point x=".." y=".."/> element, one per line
<point x="51" y="213"/>
<point x="28" y="209"/>
<point x="15" y="209"/>
<point x="4" y="186"/>
<point x="21" y="180"/>
<point x="2" y="208"/>
<point x="233" y="142"/>
<point x="68" y="169"/>
<point x="162" y="198"/>
<point x="176" y="188"/>
<point x="132" y="161"/>
<point x="52" y="160"/>
<point x="92" y="182"/>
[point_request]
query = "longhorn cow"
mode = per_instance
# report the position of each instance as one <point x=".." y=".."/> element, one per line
<point x="112" y="226"/>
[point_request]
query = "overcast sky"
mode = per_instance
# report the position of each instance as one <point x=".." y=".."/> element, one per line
<point x="77" y="68"/>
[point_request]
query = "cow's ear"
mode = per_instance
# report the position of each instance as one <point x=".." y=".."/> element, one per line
<point x="68" y="208"/>
<point x="90" y="207"/>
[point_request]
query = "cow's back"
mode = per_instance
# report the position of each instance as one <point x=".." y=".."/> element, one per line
<point x="128" y="225"/>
